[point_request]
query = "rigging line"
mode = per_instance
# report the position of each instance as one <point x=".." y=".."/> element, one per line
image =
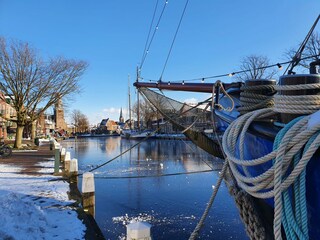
<point x="197" y="150"/>
<point x="191" y="107"/>
<point x="224" y="170"/>
<point x="175" y="35"/>
<point x="233" y="73"/>
<point x="154" y="32"/>
<point x="122" y="153"/>
<point x="154" y="176"/>
<point x="197" y="118"/>
<point x="186" y="111"/>
<point x="297" y="57"/>
<point x="146" y="44"/>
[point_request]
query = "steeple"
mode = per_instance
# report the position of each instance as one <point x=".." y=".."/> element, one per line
<point x="121" y="119"/>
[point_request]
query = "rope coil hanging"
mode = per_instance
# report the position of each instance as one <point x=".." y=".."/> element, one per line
<point x="256" y="97"/>
<point x="297" y="104"/>
<point x="293" y="148"/>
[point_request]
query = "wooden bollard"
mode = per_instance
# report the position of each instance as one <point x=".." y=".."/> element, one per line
<point x="56" y="158"/>
<point x="62" y="154"/>
<point x="139" y="231"/>
<point x="88" y="196"/>
<point x="73" y="170"/>
<point x="67" y="160"/>
<point x="51" y="143"/>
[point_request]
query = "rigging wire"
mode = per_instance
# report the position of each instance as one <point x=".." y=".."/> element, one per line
<point x="197" y="150"/>
<point x="133" y="146"/>
<point x="297" y="57"/>
<point x="122" y="153"/>
<point x="232" y="73"/>
<point x="155" y="176"/>
<point x="151" y="24"/>
<point x="152" y="37"/>
<point x="174" y="39"/>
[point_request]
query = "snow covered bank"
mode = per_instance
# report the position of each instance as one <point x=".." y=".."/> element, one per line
<point x="34" y="208"/>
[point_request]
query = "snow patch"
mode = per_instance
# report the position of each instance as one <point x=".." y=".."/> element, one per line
<point x="33" y="207"/>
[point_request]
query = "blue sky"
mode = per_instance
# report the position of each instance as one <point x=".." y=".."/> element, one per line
<point x="110" y="36"/>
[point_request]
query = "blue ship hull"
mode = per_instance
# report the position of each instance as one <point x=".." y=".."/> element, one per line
<point x="259" y="142"/>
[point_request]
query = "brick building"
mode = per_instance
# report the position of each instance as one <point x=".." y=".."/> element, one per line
<point x="7" y="112"/>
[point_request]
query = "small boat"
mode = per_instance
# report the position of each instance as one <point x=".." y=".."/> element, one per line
<point x="137" y="134"/>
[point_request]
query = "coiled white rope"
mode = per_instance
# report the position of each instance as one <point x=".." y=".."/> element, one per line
<point x="252" y="99"/>
<point x="297" y="104"/>
<point x="275" y="180"/>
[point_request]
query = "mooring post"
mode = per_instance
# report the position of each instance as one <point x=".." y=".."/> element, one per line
<point x="139" y="231"/>
<point x="52" y="143"/>
<point x="88" y="195"/>
<point x="62" y="154"/>
<point x="67" y="160"/>
<point x="74" y="170"/>
<point x="56" y="158"/>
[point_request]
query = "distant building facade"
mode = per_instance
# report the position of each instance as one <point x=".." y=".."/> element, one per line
<point x="48" y="123"/>
<point x="7" y="112"/>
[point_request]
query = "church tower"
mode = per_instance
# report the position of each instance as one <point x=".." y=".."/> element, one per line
<point x="59" y="116"/>
<point x="121" y="119"/>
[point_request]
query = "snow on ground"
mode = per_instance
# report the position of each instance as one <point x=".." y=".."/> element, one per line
<point x="34" y="208"/>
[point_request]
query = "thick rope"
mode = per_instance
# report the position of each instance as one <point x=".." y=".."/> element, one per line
<point x="228" y="109"/>
<point x="248" y="214"/>
<point x="297" y="104"/>
<point x="195" y="232"/>
<point x="252" y="99"/>
<point x="274" y="181"/>
<point x="294" y="217"/>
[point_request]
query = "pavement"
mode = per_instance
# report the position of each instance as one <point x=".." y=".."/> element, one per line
<point x="29" y="160"/>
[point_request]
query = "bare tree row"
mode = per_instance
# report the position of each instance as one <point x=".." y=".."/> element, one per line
<point x="34" y="84"/>
<point x="79" y="121"/>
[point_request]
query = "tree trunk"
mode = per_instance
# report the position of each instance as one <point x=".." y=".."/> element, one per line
<point x="33" y="130"/>
<point x="18" y="141"/>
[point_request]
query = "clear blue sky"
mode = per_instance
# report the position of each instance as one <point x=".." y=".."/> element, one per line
<point x="110" y="36"/>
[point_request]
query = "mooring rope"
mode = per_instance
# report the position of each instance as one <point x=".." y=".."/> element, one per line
<point x="294" y="146"/>
<point x="157" y="175"/>
<point x="297" y="104"/>
<point x="195" y="232"/>
<point x="252" y="99"/>
<point x="219" y="84"/>
<point x="253" y="225"/>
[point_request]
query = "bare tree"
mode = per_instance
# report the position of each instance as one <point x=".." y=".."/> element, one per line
<point x="312" y="48"/>
<point x="254" y="68"/>
<point x="33" y="84"/>
<point x="80" y="121"/>
<point x="147" y="113"/>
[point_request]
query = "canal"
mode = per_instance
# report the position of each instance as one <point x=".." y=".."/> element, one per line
<point x="135" y="187"/>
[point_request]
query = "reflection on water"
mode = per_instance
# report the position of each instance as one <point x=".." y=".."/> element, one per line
<point x="172" y="204"/>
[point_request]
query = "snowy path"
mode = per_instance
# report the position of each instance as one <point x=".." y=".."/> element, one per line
<point x="34" y="208"/>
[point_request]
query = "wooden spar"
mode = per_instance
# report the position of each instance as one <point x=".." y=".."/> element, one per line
<point x="188" y="87"/>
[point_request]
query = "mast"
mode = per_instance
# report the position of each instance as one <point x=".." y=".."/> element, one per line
<point x="138" y="101"/>
<point x="129" y="95"/>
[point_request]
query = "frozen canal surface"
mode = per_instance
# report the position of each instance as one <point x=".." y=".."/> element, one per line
<point x="172" y="204"/>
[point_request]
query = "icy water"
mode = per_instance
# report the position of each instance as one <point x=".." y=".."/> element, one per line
<point x="172" y="204"/>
